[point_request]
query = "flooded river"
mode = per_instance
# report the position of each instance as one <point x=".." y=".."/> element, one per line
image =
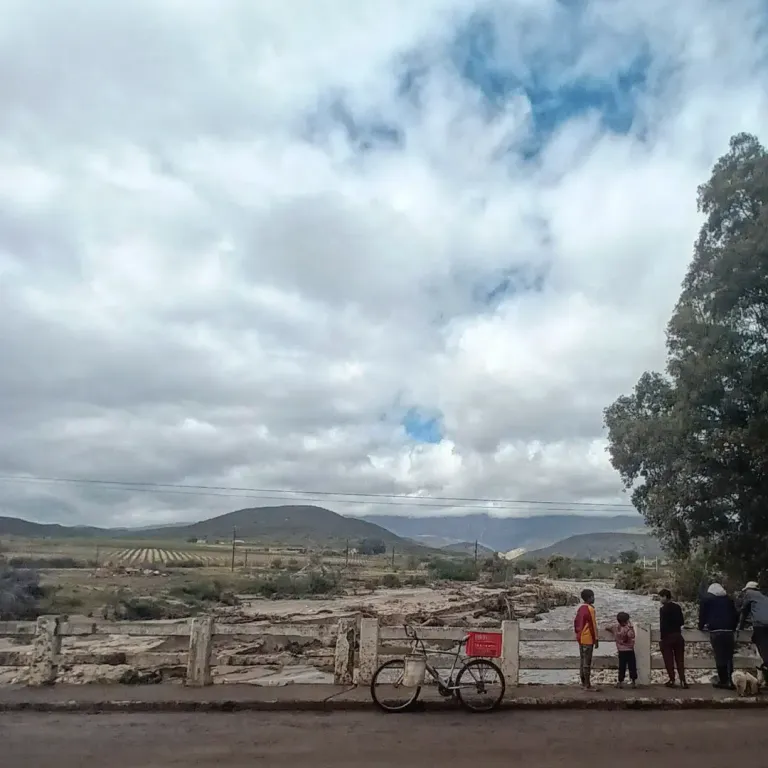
<point x="608" y="602"/>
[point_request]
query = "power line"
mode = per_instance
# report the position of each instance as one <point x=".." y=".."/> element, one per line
<point x="403" y="500"/>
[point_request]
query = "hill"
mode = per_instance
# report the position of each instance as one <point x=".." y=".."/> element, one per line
<point x="599" y="546"/>
<point x="468" y="548"/>
<point x="504" y="533"/>
<point x="290" y="525"/>
<point x="15" y="526"/>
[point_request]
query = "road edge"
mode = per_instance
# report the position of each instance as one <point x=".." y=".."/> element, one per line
<point x="261" y="705"/>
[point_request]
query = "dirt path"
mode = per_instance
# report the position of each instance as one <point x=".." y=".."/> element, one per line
<point x="694" y="739"/>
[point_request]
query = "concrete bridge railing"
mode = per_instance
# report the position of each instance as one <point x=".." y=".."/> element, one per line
<point x="355" y="647"/>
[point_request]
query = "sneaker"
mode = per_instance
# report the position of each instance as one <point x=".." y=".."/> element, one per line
<point x="633" y="684"/>
<point x="619" y="685"/>
<point x="685" y="685"/>
<point x="669" y="684"/>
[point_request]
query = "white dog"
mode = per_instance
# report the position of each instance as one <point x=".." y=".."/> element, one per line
<point x="746" y="683"/>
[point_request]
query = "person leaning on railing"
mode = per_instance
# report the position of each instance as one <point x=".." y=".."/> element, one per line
<point x="755" y="610"/>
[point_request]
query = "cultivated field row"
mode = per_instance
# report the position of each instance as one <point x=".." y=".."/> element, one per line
<point x="152" y="556"/>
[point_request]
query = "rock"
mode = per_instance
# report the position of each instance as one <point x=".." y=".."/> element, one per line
<point x="141" y="677"/>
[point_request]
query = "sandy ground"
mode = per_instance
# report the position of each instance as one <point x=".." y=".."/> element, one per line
<point x="538" y="739"/>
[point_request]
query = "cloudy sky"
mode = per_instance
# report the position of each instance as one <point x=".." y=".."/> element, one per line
<point x="383" y="247"/>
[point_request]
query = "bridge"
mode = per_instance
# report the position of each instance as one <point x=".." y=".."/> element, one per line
<point x="353" y="647"/>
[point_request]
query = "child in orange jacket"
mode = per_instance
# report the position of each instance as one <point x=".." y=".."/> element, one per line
<point x="585" y="627"/>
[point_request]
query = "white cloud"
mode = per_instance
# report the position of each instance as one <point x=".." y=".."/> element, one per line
<point x="204" y="280"/>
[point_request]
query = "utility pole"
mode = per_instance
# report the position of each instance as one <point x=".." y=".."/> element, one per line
<point x="393" y="558"/>
<point x="245" y="562"/>
<point x="346" y="555"/>
<point x="234" y="538"/>
<point x="475" y="551"/>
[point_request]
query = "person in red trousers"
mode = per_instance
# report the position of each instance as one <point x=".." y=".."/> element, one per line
<point x="672" y="645"/>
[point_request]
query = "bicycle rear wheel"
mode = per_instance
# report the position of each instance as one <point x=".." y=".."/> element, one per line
<point x="480" y="686"/>
<point x="388" y="691"/>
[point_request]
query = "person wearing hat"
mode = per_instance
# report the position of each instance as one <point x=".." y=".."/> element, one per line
<point x="755" y="610"/>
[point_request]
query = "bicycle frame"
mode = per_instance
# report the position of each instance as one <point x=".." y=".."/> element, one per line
<point x="446" y="687"/>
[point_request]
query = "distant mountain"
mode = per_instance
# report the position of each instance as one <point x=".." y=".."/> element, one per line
<point x="468" y="548"/>
<point x="504" y="533"/>
<point x="599" y="546"/>
<point x="15" y="526"/>
<point x="290" y="525"/>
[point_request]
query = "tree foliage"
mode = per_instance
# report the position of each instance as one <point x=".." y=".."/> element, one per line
<point x="629" y="556"/>
<point x="371" y="547"/>
<point x="692" y="443"/>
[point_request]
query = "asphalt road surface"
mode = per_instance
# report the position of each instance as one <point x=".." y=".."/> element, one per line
<point x="704" y="739"/>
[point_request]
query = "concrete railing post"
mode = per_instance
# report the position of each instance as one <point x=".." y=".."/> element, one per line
<point x="510" y="652"/>
<point x="200" y="646"/>
<point x="46" y="649"/>
<point x="643" y="654"/>
<point x="369" y="650"/>
<point x="344" y="657"/>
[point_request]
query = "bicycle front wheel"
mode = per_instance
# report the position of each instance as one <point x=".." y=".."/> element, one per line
<point x="480" y="686"/>
<point x="387" y="689"/>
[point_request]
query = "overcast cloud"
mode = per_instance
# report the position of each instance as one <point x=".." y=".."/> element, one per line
<point x="389" y="246"/>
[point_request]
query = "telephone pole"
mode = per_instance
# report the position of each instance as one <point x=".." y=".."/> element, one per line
<point x="234" y="539"/>
<point x="393" y="558"/>
<point x="346" y="555"/>
<point x="475" y="551"/>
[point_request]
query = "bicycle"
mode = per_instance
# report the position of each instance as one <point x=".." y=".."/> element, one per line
<point x="459" y="690"/>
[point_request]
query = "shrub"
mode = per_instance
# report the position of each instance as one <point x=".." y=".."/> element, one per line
<point x="20" y="594"/>
<point x="277" y="563"/>
<point x="391" y="581"/>
<point x="371" y="547"/>
<point x="452" y="570"/>
<point x="188" y="564"/>
<point x="633" y="577"/>
<point x="22" y="561"/>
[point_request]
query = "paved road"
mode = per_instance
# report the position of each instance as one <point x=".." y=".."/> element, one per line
<point x="686" y="739"/>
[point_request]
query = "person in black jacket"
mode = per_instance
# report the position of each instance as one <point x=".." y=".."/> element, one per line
<point x="719" y="617"/>
<point x="672" y="645"/>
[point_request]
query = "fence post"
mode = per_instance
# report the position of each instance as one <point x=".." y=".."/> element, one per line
<point x="199" y="659"/>
<point x="369" y="650"/>
<point x="46" y="649"/>
<point x="510" y="652"/>
<point x="643" y="654"/>
<point x="344" y="657"/>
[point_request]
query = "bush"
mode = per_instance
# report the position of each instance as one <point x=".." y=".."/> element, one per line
<point x="417" y="580"/>
<point x="629" y="557"/>
<point x="20" y="594"/>
<point x="187" y="564"/>
<point x="391" y="581"/>
<point x="632" y="578"/>
<point x="125" y="608"/>
<point x="452" y="570"/>
<point x="22" y="561"/>
<point x="277" y="563"/>
<point x="371" y="547"/>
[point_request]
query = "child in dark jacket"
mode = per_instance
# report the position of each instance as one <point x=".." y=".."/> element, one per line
<point x="624" y="634"/>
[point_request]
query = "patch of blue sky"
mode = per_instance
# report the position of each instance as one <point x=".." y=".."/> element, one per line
<point x="423" y="427"/>
<point x="475" y="54"/>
